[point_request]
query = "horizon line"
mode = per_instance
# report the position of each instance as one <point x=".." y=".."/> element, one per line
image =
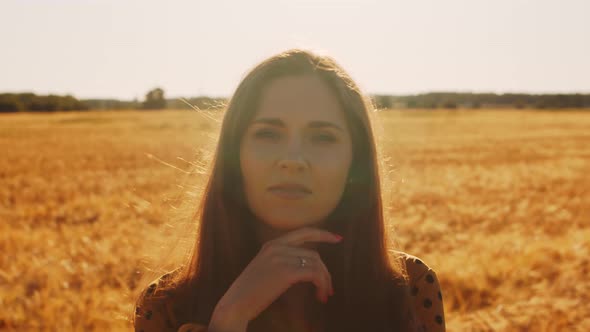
<point x="459" y="91"/>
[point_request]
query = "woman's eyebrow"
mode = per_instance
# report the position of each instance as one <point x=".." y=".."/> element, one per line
<point x="271" y="121"/>
<point x="312" y="124"/>
<point x="322" y="124"/>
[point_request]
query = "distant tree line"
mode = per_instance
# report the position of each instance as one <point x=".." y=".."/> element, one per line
<point x="198" y="102"/>
<point x="453" y="100"/>
<point x="111" y="104"/>
<point x="173" y="103"/>
<point x="155" y="100"/>
<point x="17" y="102"/>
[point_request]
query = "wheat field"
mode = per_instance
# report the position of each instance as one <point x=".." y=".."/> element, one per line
<point x="497" y="202"/>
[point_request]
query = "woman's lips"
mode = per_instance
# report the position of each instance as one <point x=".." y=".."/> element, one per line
<point x="289" y="193"/>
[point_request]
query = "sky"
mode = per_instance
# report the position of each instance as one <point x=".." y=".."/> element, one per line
<point x="123" y="48"/>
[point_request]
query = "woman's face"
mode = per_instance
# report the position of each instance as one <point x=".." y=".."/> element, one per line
<point x="295" y="154"/>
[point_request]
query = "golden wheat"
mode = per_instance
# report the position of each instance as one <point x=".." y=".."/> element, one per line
<point x="497" y="202"/>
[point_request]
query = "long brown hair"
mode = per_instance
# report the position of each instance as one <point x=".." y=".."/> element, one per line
<point x="371" y="291"/>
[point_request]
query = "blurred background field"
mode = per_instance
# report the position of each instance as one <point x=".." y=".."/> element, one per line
<point x="497" y="202"/>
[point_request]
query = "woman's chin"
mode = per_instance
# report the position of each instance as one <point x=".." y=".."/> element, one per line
<point x="287" y="225"/>
<point x="272" y="228"/>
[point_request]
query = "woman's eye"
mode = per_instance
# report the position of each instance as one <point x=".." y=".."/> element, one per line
<point x="324" y="138"/>
<point x="266" y="134"/>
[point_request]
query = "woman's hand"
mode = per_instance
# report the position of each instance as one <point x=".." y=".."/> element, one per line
<point x="273" y="271"/>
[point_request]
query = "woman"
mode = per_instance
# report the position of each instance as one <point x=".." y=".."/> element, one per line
<point x="291" y="231"/>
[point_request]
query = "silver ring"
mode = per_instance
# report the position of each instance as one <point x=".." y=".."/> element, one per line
<point x="303" y="261"/>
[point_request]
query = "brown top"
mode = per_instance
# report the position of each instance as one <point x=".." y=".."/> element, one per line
<point x="154" y="311"/>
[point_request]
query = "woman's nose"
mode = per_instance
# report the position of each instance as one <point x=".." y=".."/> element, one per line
<point x="292" y="164"/>
<point x="293" y="158"/>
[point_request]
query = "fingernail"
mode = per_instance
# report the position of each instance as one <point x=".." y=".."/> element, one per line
<point x="339" y="237"/>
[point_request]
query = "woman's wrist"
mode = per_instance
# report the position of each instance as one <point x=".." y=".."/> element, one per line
<point x="224" y="319"/>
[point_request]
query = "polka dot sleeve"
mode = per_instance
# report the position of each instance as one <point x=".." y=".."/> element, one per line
<point x="427" y="295"/>
<point x="151" y="312"/>
<point x="154" y="311"/>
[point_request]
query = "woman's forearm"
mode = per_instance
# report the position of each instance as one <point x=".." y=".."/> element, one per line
<point x="226" y="320"/>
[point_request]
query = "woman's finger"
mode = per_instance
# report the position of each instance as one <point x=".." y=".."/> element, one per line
<point x="314" y="263"/>
<point x="307" y="234"/>
<point x="312" y="272"/>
